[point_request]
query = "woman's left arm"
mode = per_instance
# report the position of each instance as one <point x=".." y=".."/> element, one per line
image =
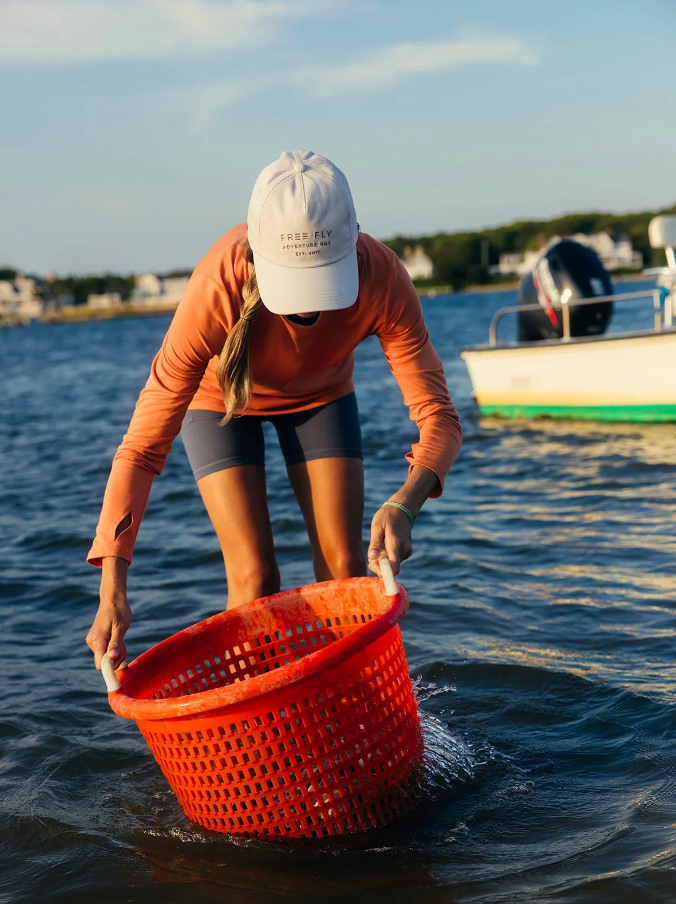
<point x="420" y="375"/>
<point x="391" y="526"/>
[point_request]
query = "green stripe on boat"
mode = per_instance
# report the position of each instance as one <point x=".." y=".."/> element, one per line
<point x="631" y="413"/>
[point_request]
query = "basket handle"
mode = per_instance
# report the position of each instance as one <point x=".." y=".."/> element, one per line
<point x="391" y="588"/>
<point x="108" y="672"/>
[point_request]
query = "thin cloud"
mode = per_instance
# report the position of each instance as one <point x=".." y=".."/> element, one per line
<point x="204" y="102"/>
<point x="78" y="31"/>
<point x="391" y="64"/>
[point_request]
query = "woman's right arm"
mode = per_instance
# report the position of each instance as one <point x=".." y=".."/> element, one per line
<point x="113" y="618"/>
<point x="197" y="333"/>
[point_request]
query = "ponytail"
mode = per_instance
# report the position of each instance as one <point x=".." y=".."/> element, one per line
<point x="234" y="365"/>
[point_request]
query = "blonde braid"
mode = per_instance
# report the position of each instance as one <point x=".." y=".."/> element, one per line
<point x="234" y="365"/>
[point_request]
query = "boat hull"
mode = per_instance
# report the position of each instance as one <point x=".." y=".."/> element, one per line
<point x="623" y="378"/>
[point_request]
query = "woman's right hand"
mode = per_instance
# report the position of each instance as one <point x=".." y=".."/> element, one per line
<point x="112" y="620"/>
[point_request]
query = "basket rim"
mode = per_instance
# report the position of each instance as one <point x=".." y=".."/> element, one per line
<point x="299" y="670"/>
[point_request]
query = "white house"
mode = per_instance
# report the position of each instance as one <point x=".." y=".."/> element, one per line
<point x="19" y="299"/>
<point x="174" y="287"/>
<point x="106" y="300"/>
<point x="417" y="264"/>
<point x="7" y="292"/>
<point x="151" y="287"/>
<point x="148" y="287"/>
<point x="616" y="252"/>
<point x="517" y="263"/>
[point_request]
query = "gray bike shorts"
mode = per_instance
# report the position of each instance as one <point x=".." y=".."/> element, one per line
<point x="328" y="431"/>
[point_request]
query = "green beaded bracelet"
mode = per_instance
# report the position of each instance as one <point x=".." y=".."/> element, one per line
<point x="403" y="508"/>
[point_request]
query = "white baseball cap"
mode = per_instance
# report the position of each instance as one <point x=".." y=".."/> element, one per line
<point x="303" y="234"/>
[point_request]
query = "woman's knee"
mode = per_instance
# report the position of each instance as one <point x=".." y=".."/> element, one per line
<point x="251" y="578"/>
<point x="344" y="562"/>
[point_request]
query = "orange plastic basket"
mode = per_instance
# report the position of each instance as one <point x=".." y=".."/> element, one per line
<point x="292" y="716"/>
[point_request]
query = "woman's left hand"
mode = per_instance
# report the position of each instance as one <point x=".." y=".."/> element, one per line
<point x="391" y="527"/>
<point x="391" y="531"/>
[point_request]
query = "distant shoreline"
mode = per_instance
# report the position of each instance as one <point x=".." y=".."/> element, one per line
<point x="84" y="313"/>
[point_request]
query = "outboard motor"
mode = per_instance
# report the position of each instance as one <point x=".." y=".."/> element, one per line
<point x="568" y="270"/>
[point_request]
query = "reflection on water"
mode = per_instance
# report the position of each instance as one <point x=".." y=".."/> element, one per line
<point x="541" y="625"/>
<point x="652" y="444"/>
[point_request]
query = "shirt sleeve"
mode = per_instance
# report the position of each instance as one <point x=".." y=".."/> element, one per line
<point x="420" y="375"/>
<point x="197" y="333"/>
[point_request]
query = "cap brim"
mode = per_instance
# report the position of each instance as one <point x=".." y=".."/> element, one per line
<point x="286" y="290"/>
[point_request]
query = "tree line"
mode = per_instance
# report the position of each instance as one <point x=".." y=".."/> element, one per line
<point x="465" y="258"/>
<point x="77" y="289"/>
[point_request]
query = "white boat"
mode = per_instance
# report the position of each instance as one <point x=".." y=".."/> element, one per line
<point x="612" y="377"/>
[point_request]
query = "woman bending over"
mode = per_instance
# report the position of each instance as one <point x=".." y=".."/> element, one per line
<point x="266" y="330"/>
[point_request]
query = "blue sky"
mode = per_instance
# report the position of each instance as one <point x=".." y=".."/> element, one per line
<point x="132" y="131"/>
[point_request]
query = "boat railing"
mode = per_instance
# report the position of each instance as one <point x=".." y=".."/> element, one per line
<point x="663" y="306"/>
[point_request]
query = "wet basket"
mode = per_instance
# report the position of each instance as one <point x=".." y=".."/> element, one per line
<point x="292" y="716"/>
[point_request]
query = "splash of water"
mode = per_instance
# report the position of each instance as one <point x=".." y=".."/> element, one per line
<point x="425" y="690"/>
<point x="448" y="759"/>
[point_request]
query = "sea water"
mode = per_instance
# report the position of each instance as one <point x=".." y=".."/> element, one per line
<point x="542" y="628"/>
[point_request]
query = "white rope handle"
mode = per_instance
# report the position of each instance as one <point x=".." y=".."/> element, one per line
<point x="108" y="672"/>
<point x="391" y="588"/>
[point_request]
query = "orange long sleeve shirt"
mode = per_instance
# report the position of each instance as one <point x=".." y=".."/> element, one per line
<point x="294" y="368"/>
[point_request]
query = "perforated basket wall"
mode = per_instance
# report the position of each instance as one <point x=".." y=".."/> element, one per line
<point x="308" y="745"/>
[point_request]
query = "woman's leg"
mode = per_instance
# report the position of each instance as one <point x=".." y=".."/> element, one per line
<point x="330" y="492"/>
<point x="236" y="501"/>
<point x="229" y="465"/>
<point x="323" y="453"/>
